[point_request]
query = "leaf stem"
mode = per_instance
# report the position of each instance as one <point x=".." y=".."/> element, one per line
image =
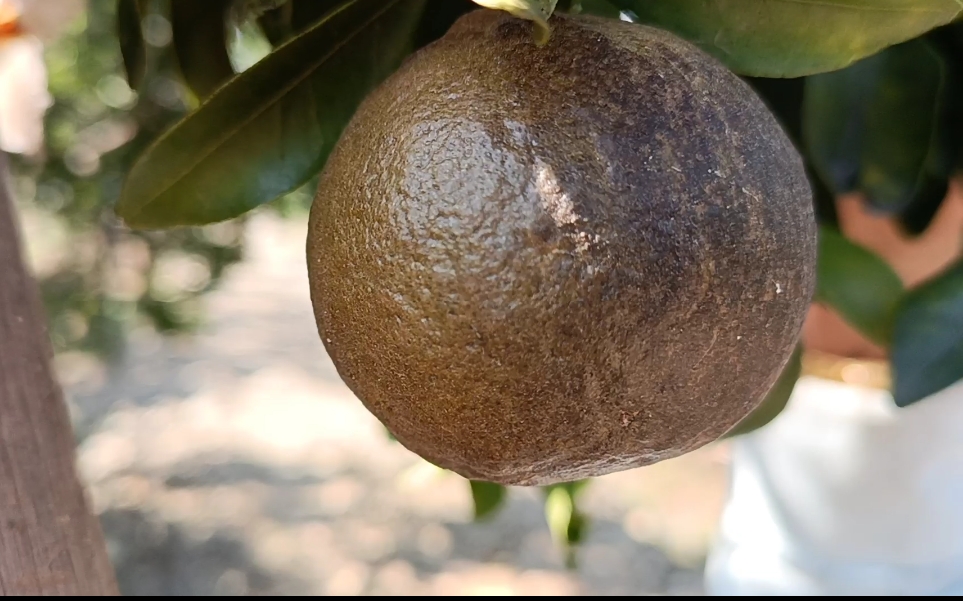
<point x="536" y="11"/>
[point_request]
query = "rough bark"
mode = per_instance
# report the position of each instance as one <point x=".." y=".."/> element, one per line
<point x="50" y="543"/>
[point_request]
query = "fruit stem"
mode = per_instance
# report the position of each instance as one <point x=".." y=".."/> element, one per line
<point x="536" y="11"/>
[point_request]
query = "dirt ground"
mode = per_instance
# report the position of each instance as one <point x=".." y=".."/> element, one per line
<point x="236" y="462"/>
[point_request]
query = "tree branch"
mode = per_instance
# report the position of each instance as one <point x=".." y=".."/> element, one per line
<point x="50" y="544"/>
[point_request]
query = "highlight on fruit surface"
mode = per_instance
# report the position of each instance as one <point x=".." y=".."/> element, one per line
<point x="537" y="265"/>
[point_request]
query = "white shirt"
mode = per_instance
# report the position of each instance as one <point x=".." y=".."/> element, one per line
<point x="846" y="494"/>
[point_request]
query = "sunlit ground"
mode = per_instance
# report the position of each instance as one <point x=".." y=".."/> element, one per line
<point x="236" y="462"/>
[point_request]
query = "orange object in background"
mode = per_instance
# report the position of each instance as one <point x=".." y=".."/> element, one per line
<point x="9" y="19"/>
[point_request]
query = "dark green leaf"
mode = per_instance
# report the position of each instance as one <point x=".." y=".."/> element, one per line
<point x="784" y="97"/>
<point x="834" y="121"/>
<point x="200" y="44"/>
<point x="903" y="120"/>
<point x="859" y="285"/>
<point x="928" y="338"/>
<point x="294" y="17"/>
<point x="954" y="47"/>
<point x="272" y="127"/>
<point x="305" y="13"/>
<point x="131" y="38"/>
<point x="823" y="198"/>
<point x="488" y="498"/>
<point x="926" y="203"/>
<point x="879" y="127"/>
<point x="277" y="24"/>
<point x="439" y="16"/>
<point x="792" y="38"/>
<point x="775" y="401"/>
<point x="947" y="148"/>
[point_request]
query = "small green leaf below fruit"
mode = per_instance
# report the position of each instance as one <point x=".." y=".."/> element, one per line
<point x="928" y="338"/>
<point x="488" y="498"/>
<point x="793" y="38"/>
<point x="566" y="523"/>
<point x="271" y="128"/>
<point x="200" y="43"/>
<point x="131" y="37"/>
<point x="775" y="401"/>
<point x="858" y="285"/>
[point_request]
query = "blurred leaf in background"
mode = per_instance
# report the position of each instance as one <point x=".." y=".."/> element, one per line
<point x="98" y="278"/>
<point x="928" y="354"/>
<point x="887" y="127"/>
<point x="566" y="522"/>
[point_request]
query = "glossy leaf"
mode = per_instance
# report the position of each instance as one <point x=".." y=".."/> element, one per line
<point x="131" y="37"/>
<point x="200" y="43"/>
<point x="488" y="498"/>
<point x="859" y="285"/>
<point x="928" y="339"/>
<point x="775" y="401"/>
<point x="272" y="127"/>
<point x="792" y="38"/>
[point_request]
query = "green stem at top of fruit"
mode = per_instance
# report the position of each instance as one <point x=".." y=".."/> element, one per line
<point x="536" y="11"/>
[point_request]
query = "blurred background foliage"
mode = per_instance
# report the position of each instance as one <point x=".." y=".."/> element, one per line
<point x="100" y="279"/>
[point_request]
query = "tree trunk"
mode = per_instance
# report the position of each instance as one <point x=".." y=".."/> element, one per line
<point x="50" y="543"/>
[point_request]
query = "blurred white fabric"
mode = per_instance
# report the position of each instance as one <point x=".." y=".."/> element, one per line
<point x="846" y="494"/>
<point x="48" y="19"/>
<point x="24" y="98"/>
<point x="23" y="95"/>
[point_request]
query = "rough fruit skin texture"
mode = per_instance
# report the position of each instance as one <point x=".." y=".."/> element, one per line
<point x="536" y="265"/>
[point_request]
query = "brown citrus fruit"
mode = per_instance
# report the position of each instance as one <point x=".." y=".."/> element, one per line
<point x="539" y="264"/>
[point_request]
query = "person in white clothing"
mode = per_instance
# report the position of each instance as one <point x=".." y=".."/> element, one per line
<point x="844" y="493"/>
